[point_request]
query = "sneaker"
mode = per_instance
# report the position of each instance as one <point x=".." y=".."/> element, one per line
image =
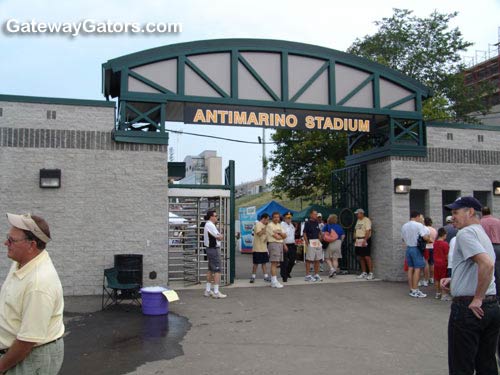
<point x="421" y="283"/>
<point x="317" y="278"/>
<point x="431" y="281"/>
<point x="208" y="294"/>
<point x="276" y="285"/>
<point x="437" y="296"/>
<point x="321" y="268"/>
<point x="413" y="294"/>
<point x="252" y="280"/>
<point x="364" y="275"/>
<point x="420" y="294"/>
<point x="218" y="295"/>
<point x="308" y="278"/>
<point x="370" y="276"/>
<point x="267" y="279"/>
<point x="332" y="273"/>
<point x="446" y="297"/>
<point x="425" y="283"/>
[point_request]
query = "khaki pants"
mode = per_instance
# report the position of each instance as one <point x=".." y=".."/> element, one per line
<point x="44" y="360"/>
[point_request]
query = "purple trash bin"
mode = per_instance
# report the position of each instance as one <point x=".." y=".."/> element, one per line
<point x="153" y="301"/>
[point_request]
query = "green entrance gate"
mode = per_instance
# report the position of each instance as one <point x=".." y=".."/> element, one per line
<point x="349" y="192"/>
<point x="272" y="84"/>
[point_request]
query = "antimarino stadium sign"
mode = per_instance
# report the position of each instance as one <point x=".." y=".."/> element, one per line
<point x="274" y="119"/>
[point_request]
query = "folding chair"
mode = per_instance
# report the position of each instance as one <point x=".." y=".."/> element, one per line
<point x="114" y="292"/>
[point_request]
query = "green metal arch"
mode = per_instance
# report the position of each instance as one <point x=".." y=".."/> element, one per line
<point x="119" y="64"/>
<point x="395" y="128"/>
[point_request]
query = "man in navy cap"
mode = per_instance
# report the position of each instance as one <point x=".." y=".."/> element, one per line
<point x="474" y="321"/>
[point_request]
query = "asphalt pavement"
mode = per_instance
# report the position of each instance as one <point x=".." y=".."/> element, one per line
<point x="341" y="326"/>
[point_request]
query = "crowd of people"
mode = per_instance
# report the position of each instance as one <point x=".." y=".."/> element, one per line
<point x="275" y="242"/>
<point x="462" y="259"/>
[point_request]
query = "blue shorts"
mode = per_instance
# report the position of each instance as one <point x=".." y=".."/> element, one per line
<point x="414" y="257"/>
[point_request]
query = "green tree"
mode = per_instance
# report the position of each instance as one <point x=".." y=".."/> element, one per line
<point x="305" y="161"/>
<point x="426" y="49"/>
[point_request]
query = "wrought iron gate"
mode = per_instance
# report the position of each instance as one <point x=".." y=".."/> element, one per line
<point x="349" y="192"/>
<point x="187" y="261"/>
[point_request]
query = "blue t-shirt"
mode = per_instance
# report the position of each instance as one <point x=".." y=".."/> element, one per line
<point x="336" y="227"/>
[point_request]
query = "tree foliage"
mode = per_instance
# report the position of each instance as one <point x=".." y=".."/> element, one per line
<point x="305" y="160"/>
<point x="425" y="49"/>
<point x="428" y="50"/>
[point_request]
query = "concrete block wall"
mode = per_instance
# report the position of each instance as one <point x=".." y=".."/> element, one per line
<point x="113" y="198"/>
<point x="390" y="211"/>
<point x="437" y="137"/>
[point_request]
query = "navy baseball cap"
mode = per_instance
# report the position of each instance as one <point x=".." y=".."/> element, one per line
<point x="465" y="202"/>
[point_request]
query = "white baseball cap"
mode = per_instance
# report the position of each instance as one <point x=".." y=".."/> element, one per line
<point x="26" y="222"/>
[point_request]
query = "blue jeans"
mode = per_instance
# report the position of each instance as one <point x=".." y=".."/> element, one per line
<point x="472" y="342"/>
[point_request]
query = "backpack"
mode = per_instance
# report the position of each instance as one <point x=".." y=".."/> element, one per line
<point x="421" y="243"/>
<point x="330" y="236"/>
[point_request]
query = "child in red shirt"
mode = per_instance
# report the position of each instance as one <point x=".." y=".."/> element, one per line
<point x="441" y="249"/>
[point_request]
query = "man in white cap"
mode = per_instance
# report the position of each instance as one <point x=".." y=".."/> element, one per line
<point x="451" y="231"/>
<point x="31" y="302"/>
<point x="362" y="244"/>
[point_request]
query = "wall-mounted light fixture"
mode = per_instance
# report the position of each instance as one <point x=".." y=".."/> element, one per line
<point x="496" y="187"/>
<point x="402" y="185"/>
<point x="50" y="178"/>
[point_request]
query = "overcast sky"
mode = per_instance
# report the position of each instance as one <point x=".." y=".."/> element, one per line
<point x="66" y="67"/>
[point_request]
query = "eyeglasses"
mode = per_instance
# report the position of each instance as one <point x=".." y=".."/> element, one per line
<point x="10" y="240"/>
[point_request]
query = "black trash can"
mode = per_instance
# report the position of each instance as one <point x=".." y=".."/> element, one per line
<point x="129" y="268"/>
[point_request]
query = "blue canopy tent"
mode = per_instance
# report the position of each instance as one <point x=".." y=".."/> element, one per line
<point x="271" y="207"/>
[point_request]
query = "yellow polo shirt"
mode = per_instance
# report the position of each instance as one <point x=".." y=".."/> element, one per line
<point x="362" y="226"/>
<point x="31" y="303"/>
<point x="272" y="229"/>
<point x="259" y="241"/>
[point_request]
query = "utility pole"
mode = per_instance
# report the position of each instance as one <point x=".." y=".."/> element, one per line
<point x="264" y="160"/>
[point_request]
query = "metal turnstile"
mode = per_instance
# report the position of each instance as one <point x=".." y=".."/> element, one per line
<point x="187" y="261"/>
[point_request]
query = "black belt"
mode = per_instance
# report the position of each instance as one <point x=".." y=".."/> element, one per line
<point x="3" y="351"/>
<point x="468" y="299"/>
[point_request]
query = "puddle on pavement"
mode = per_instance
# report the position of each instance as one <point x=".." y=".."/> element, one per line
<point x="117" y="341"/>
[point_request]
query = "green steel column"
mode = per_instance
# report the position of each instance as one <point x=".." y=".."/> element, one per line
<point x="232" y="222"/>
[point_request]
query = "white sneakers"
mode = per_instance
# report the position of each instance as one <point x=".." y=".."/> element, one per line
<point x="218" y="295"/>
<point x="277" y="284"/>
<point x="367" y="276"/>
<point x="417" y="294"/>
<point x="423" y="283"/>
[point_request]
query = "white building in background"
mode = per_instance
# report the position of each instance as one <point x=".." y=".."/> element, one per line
<point x="249" y="188"/>
<point x="205" y="168"/>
